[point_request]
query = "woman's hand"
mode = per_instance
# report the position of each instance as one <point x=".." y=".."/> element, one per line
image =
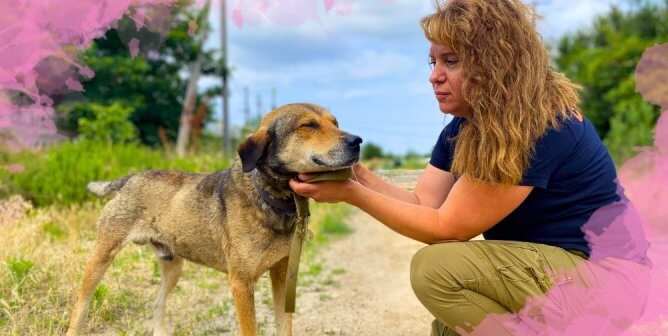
<point x="324" y="191"/>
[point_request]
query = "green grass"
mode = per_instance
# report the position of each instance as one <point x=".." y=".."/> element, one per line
<point x="60" y="175"/>
<point x="54" y="231"/>
<point x="19" y="268"/>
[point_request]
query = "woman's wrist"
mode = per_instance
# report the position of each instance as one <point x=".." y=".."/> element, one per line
<point x="352" y="192"/>
<point x="363" y="175"/>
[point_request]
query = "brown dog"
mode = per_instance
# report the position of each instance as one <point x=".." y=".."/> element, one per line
<point x="237" y="220"/>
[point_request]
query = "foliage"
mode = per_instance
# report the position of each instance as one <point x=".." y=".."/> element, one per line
<point x="107" y="123"/>
<point x="370" y="150"/>
<point x="151" y="84"/>
<point x="603" y="61"/>
<point x="60" y="175"/>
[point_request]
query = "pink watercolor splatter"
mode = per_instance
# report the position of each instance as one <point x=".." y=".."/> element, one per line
<point x="626" y="290"/>
<point x="39" y="44"/>
<point x="646" y="177"/>
<point x="14" y="168"/>
<point x="287" y="12"/>
<point x="134" y="47"/>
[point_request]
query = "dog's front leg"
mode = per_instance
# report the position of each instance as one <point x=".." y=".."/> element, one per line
<point x="283" y="321"/>
<point x="243" y="293"/>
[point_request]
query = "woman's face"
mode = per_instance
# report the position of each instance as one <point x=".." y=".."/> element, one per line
<point x="446" y="79"/>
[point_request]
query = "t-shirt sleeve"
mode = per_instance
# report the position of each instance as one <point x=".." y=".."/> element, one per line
<point x="441" y="156"/>
<point x="551" y="151"/>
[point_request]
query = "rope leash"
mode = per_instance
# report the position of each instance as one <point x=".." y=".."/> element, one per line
<point x="300" y="234"/>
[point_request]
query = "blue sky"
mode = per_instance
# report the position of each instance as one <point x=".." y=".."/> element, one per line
<point x="368" y="67"/>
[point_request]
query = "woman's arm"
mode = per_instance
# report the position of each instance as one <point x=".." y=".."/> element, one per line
<point x="431" y="189"/>
<point x="471" y="208"/>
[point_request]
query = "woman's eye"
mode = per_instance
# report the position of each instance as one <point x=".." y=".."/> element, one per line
<point x="432" y="63"/>
<point x="451" y="62"/>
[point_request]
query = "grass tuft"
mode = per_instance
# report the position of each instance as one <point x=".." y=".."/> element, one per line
<point x="19" y="268"/>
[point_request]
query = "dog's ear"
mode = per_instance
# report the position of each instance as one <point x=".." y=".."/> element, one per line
<point x="252" y="149"/>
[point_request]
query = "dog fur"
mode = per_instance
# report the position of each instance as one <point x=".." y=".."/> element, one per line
<point x="220" y="220"/>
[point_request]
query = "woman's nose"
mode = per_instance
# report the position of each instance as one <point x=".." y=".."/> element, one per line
<point x="437" y="75"/>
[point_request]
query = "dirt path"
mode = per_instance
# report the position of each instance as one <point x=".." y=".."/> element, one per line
<point x="373" y="296"/>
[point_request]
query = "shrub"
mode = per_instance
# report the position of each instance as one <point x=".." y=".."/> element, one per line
<point x="108" y="123"/>
<point x="60" y="175"/>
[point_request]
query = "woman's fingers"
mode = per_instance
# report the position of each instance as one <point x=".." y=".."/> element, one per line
<point x="304" y="177"/>
<point x="299" y="187"/>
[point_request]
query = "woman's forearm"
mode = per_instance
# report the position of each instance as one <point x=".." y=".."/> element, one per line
<point x="374" y="182"/>
<point x="418" y="222"/>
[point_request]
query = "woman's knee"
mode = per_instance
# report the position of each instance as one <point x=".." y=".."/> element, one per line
<point x="434" y="267"/>
<point x="419" y="269"/>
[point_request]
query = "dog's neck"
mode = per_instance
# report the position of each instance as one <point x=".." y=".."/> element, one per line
<point x="274" y="190"/>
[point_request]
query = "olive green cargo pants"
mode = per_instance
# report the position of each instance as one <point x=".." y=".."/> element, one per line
<point x="463" y="283"/>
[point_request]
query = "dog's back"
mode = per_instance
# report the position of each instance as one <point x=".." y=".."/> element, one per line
<point x="156" y="206"/>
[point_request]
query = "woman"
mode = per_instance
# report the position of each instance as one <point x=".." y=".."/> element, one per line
<point x="518" y="163"/>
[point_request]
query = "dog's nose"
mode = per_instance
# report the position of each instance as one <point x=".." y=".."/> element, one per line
<point x="353" y="140"/>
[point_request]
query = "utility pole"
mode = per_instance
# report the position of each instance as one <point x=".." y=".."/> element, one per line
<point x="258" y="101"/>
<point x="225" y="91"/>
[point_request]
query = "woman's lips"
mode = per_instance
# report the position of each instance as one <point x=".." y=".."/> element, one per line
<point x="441" y="95"/>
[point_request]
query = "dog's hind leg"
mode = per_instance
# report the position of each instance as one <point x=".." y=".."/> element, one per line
<point x="283" y="320"/>
<point x="243" y="293"/>
<point x="106" y="248"/>
<point x="171" y="271"/>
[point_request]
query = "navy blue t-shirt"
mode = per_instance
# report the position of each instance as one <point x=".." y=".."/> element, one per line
<point x="572" y="175"/>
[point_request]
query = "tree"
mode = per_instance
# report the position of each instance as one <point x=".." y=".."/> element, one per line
<point x="151" y="83"/>
<point x="371" y="150"/>
<point x="603" y="61"/>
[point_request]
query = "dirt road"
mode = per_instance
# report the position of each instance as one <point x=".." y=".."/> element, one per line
<point x="373" y="296"/>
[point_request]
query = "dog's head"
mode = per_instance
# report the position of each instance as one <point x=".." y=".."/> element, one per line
<point x="299" y="138"/>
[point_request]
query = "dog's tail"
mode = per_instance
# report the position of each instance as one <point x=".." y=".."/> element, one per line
<point x="104" y="188"/>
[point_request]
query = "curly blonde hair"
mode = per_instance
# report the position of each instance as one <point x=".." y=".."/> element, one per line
<point x="513" y="92"/>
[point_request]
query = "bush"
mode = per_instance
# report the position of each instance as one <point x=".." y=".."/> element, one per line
<point x="108" y="123"/>
<point x="60" y="175"/>
<point x="371" y="150"/>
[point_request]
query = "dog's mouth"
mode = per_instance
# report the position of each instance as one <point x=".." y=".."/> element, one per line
<point x="329" y="166"/>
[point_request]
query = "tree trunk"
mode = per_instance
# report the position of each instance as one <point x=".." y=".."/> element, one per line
<point x="185" y="128"/>
<point x="183" y="136"/>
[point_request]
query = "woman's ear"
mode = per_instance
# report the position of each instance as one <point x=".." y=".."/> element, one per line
<point x="252" y="149"/>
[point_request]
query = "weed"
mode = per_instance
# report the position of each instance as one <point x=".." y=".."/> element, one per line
<point x="100" y="293"/>
<point x="19" y="268"/>
<point x="333" y="225"/>
<point x="338" y="271"/>
<point x="54" y="231"/>
<point x="315" y="269"/>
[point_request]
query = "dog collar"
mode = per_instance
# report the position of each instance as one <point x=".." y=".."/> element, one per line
<point x="287" y="205"/>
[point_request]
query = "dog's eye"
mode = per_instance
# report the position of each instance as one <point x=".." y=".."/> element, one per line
<point x="311" y="124"/>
